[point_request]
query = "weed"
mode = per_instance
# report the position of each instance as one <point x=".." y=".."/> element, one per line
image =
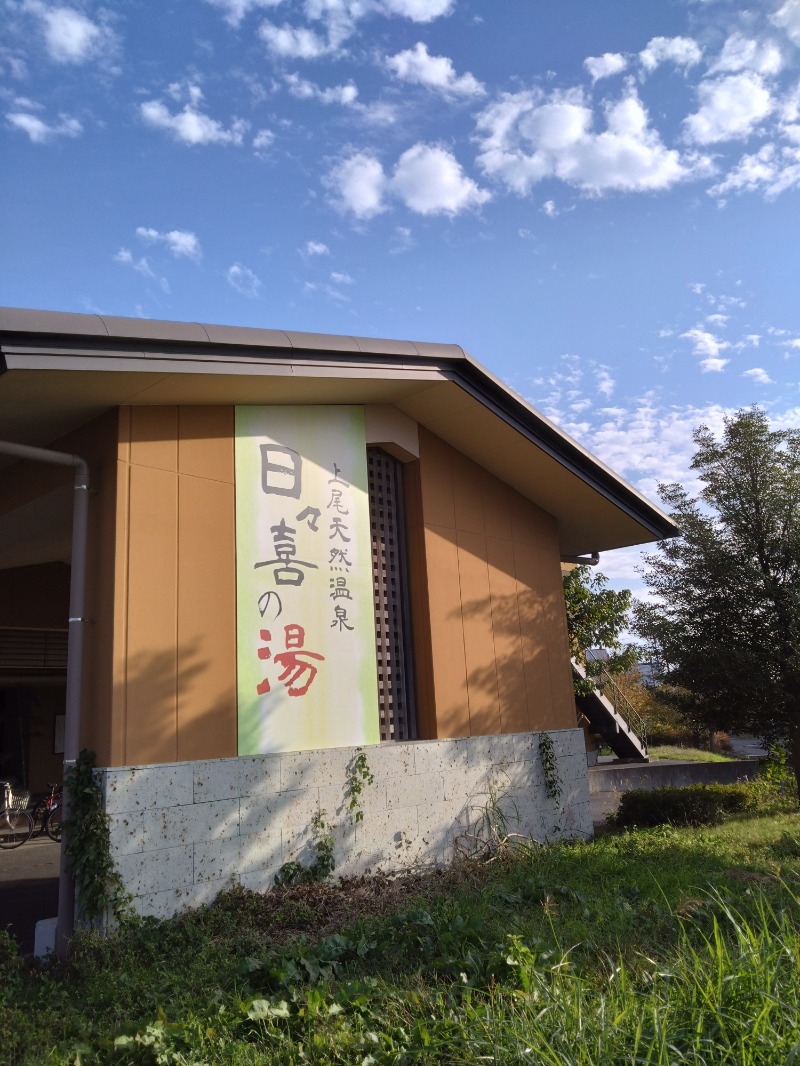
<point x="358" y="775"/>
<point x="549" y="761"/>
<point x="297" y="873"/>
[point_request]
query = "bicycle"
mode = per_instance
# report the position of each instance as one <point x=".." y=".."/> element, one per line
<point x="47" y="812"/>
<point x="16" y="824"/>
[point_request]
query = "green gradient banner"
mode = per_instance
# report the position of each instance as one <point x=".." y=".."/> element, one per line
<point x="305" y="626"/>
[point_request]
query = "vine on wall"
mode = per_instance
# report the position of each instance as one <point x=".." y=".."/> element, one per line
<point x="98" y="885"/>
<point x="549" y="761"/>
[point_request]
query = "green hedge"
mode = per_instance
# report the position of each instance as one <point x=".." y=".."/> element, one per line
<point x="690" y="805"/>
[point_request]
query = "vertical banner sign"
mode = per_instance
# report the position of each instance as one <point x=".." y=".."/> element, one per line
<point x="305" y="624"/>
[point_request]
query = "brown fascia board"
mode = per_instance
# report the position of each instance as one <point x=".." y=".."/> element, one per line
<point x="21" y="326"/>
<point x="25" y="323"/>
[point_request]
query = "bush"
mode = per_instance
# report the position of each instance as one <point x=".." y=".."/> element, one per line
<point x="690" y="805"/>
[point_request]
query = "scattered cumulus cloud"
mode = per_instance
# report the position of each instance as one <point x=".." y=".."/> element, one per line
<point x="787" y="18"/>
<point x="549" y="208"/>
<point x="759" y="376"/>
<point x="340" y="278"/>
<point x="181" y="243"/>
<point x="263" y="140"/>
<point x="730" y="108"/>
<point x="345" y="95"/>
<point x="417" y="66"/>
<point x="746" y="53"/>
<point x="429" y="180"/>
<point x="71" y="37"/>
<point x="359" y="185"/>
<point x="41" y="132"/>
<point x="244" y="281"/>
<point x="125" y="257"/>
<point x="707" y="346"/>
<point x="316" y="248"/>
<point x="681" y="51"/>
<point x="235" y="11"/>
<point x="771" y="170"/>
<point x="294" y="42"/>
<point x="605" y="382"/>
<point x="191" y="126"/>
<point x="606" y="65"/>
<point x="528" y="136"/>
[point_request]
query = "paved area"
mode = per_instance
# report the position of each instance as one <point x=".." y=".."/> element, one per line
<point x="28" y="888"/>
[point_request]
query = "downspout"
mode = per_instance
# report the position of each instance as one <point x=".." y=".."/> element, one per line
<point x="77" y="599"/>
<point x="582" y="560"/>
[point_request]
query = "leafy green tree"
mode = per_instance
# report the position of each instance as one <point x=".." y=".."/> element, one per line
<point x="726" y="619"/>
<point x="596" y="618"/>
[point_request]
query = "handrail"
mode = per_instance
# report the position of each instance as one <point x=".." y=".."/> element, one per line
<point x="634" y="720"/>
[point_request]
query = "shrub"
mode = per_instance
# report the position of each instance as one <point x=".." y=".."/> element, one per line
<point x="690" y="805"/>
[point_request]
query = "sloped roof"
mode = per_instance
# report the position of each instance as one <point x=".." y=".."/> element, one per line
<point x="58" y="370"/>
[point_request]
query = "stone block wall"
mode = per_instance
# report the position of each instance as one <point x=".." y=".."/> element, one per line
<point x="182" y="832"/>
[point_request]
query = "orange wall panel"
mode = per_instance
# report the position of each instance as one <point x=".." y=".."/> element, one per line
<point x="206" y="679"/>
<point x="447" y="633"/>
<point x="175" y="623"/>
<point x="479" y="653"/>
<point x="507" y="610"/>
<point x="151" y="645"/>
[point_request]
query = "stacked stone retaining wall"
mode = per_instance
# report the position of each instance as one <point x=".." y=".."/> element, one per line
<point x="182" y="832"/>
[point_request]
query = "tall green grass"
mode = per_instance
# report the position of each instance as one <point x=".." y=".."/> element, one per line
<point x="665" y="946"/>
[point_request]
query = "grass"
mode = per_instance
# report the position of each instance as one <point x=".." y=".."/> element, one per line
<point x="672" y="751"/>
<point x="661" y="946"/>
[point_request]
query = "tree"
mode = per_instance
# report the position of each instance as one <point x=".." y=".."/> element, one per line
<point x="726" y="621"/>
<point x="596" y="618"/>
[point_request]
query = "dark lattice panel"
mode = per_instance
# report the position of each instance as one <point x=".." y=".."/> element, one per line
<point x="392" y="634"/>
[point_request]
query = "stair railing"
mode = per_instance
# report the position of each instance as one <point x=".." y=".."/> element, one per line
<point x="636" y="722"/>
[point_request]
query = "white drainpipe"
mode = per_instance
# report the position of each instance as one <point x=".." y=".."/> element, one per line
<point x="77" y="600"/>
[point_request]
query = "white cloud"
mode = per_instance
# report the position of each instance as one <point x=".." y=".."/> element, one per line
<point x="339" y="278"/>
<point x="787" y="18"/>
<point x="708" y="346"/>
<point x="181" y="243"/>
<point x="235" y="11"/>
<point x="528" y="136"/>
<point x="759" y="376"/>
<point x="359" y="185"/>
<point x="316" y="248"/>
<point x="606" y="65"/>
<point x="417" y="66"/>
<point x="190" y="126"/>
<point x="306" y="90"/>
<point x="72" y="37"/>
<point x="682" y="51"/>
<point x="244" y="281"/>
<point x="429" y="180"/>
<point x="605" y="383"/>
<point x="262" y="140"/>
<point x="746" y="53"/>
<point x="730" y="108"/>
<point x="126" y="258"/>
<point x="294" y="42"/>
<point x="41" y="132"/>
<point x="549" y="208"/>
<point x="770" y="170"/>
<point x="717" y="319"/>
<point x="417" y="10"/>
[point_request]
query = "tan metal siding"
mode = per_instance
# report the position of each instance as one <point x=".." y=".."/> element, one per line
<point x="498" y="647"/>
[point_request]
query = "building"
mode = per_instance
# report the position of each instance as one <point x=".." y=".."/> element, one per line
<point x="300" y="547"/>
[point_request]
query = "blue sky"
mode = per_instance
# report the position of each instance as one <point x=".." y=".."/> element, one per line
<point x="598" y="199"/>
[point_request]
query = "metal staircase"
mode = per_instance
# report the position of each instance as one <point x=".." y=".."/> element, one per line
<point x="618" y="723"/>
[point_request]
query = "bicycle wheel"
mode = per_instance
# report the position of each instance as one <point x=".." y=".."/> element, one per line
<point x="15" y="828"/>
<point x="52" y="824"/>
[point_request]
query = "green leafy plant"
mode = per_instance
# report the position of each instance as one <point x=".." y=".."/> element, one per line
<point x="98" y="885"/>
<point x="358" y="776"/>
<point x="297" y="873"/>
<point x="549" y="761"/>
<point x="692" y="804"/>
